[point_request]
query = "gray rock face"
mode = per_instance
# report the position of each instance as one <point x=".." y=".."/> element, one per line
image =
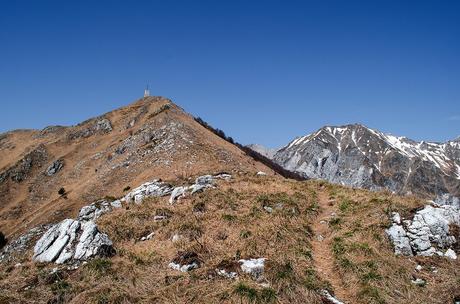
<point x="91" y="127"/>
<point x="427" y="233"/>
<point x="103" y="124"/>
<point x="55" y="167"/>
<point x="447" y="199"/>
<point x="76" y="240"/>
<point x="20" y="171"/>
<point x="22" y="243"/>
<point x="357" y="156"/>
<point x="398" y="237"/>
<point x="72" y="240"/>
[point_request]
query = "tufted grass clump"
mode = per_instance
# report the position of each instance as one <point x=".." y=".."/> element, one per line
<point x="252" y="295"/>
<point x="99" y="266"/>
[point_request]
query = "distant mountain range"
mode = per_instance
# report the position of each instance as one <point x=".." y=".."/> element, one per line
<point x="357" y="156"/>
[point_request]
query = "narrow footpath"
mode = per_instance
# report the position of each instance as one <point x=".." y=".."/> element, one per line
<point x="321" y="247"/>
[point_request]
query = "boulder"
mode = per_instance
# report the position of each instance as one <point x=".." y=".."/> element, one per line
<point x="72" y="240"/>
<point x="450" y="254"/>
<point x="104" y="125"/>
<point x="427" y="233"/>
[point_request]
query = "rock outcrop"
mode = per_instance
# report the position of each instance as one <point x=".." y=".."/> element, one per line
<point x="79" y="239"/>
<point x="154" y="188"/>
<point x="21" y="170"/>
<point x="72" y="240"/>
<point x="76" y="240"/>
<point x="22" y="243"/>
<point x="427" y="233"/>
<point x="96" y="209"/>
<point x="91" y="127"/>
<point x="55" y="167"/>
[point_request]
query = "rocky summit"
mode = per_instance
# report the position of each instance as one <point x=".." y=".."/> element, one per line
<point x="357" y="156"/>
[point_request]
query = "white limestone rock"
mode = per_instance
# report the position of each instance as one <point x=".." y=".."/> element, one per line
<point x="261" y="173"/>
<point x="396" y="218"/>
<point x="92" y="242"/>
<point x="223" y="176"/>
<point x="183" y="268"/>
<point x="94" y="211"/>
<point x="329" y="297"/>
<point x="72" y="240"/>
<point x="450" y="254"/>
<point x="177" y="193"/>
<point x="399" y="238"/>
<point x="51" y="244"/>
<point x="427" y="233"/>
<point x="254" y="267"/>
<point x="185" y="261"/>
<point x="204" y="180"/>
<point x="148" y="237"/>
<point x="419" y="282"/>
<point x="229" y="275"/>
<point x="176" y="238"/>
<point x="150" y="189"/>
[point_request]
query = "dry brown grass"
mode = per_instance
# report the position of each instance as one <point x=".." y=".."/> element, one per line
<point x="230" y="224"/>
<point x="365" y="260"/>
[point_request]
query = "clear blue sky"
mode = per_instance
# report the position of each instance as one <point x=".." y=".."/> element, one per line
<point x="263" y="71"/>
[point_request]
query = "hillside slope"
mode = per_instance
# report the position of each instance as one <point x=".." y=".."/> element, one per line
<point x="312" y="236"/>
<point x="151" y="138"/>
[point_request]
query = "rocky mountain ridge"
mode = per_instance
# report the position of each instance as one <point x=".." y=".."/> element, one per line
<point x="47" y="175"/>
<point x="357" y="156"/>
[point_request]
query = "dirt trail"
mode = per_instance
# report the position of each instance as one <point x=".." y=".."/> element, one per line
<point x="321" y="246"/>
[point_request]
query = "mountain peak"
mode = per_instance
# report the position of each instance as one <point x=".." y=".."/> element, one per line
<point x="150" y="138"/>
<point x="356" y="155"/>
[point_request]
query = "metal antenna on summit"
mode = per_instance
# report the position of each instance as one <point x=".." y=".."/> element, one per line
<point x="147" y="92"/>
